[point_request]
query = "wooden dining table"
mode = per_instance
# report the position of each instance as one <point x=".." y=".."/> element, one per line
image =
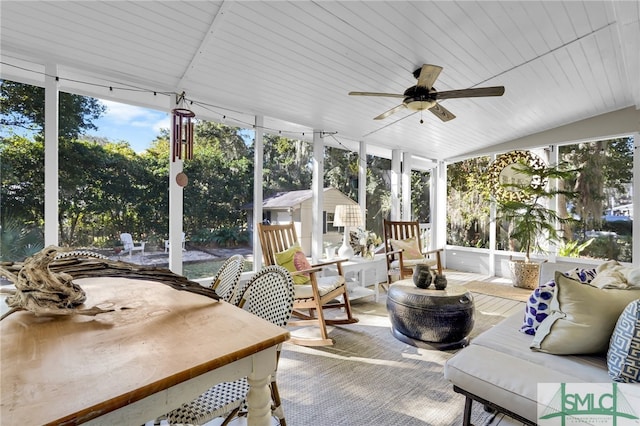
<point x="157" y="349"/>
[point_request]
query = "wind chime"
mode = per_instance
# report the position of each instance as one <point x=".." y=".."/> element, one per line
<point x="182" y="130"/>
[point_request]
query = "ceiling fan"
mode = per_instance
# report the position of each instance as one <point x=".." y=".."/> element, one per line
<point x="423" y="96"/>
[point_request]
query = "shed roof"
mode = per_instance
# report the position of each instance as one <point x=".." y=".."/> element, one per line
<point x="289" y="199"/>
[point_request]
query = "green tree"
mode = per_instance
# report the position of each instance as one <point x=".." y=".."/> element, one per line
<point x="22" y="106"/>
<point x="22" y="180"/>
<point x="287" y="164"/>
<point x="468" y="203"/>
<point x="605" y="166"/>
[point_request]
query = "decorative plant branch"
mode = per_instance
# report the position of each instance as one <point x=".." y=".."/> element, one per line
<point x="44" y="281"/>
<point x="531" y="218"/>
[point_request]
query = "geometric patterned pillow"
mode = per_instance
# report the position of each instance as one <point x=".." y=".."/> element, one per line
<point x="537" y="308"/>
<point x="623" y="357"/>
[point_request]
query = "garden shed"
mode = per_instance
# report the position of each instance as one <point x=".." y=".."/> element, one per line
<point x="296" y="206"/>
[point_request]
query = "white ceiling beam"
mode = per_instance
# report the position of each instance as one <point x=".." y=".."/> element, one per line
<point x="206" y="42"/>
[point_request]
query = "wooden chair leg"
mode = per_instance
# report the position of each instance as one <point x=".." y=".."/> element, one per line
<point x="230" y="416"/>
<point x="347" y="305"/>
<point x="277" y="409"/>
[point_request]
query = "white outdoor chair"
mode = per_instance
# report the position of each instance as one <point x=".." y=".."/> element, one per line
<point x="129" y="246"/>
<point x="166" y="243"/>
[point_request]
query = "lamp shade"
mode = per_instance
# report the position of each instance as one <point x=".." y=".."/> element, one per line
<point x="347" y="215"/>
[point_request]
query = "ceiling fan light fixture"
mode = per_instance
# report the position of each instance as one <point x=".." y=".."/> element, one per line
<point x="419" y="105"/>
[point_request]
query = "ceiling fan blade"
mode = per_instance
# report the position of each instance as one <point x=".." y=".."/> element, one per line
<point x="471" y="93"/>
<point x="428" y="75"/>
<point x="391" y="111"/>
<point x="388" y="95"/>
<point x="442" y="113"/>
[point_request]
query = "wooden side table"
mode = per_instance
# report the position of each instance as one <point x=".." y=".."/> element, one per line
<point x="429" y="317"/>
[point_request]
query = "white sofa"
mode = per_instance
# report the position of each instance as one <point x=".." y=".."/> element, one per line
<point x="502" y="367"/>
<point x="500" y="371"/>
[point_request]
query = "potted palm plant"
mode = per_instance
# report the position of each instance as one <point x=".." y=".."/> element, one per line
<point x="524" y="207"/>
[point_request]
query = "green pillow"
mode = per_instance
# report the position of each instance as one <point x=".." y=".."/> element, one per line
<point x="293" y="259"/>
<point x="582" y="318"/>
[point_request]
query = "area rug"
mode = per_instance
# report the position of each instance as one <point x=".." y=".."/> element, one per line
<point x="499" y="290"/>
<point x="370" y="378"/>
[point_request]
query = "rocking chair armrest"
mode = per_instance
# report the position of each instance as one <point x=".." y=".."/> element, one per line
<point x="432" y="251"/>
<point x="392" y="252"/>
<point x="311" y="270"/>
<point x="329" y="262"/>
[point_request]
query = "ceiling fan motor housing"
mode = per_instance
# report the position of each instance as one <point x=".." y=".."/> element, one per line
<point x="418" y="98"/>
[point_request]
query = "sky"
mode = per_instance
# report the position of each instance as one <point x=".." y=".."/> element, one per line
<point x="136" y="125"/>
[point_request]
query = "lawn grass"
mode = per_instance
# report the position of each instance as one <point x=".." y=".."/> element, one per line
<point x="207" y="268"/>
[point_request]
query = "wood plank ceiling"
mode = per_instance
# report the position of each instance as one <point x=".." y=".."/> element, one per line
<point x="294" y="63"/>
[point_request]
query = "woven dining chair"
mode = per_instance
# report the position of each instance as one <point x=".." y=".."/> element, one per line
<point x="227" y="279"/>
<point x="269" y="295"/>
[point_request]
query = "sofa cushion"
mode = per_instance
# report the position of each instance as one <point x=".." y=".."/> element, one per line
<point x="623" y="357"/>
<point x="505" y="338"/>
<point x="538" y="309"/>
<point x="582" y="318"/>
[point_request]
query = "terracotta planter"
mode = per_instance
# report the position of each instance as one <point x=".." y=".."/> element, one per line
<point x="524" y="274"/>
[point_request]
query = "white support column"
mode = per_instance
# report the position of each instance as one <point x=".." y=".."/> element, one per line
<point x="493" y="211"/>
<point x="176" y="201"/>
<point x="396" y="161"/>
<point x="406" y="186"/>
<point x="552" y="158"/>
<point x="635" y="231"/>
<point x="258" y="165"/>
<point x="362" y="180"/>
<point x="318" y="195"/>
<point x="51" y="95"/>
<point x="439" y="206"/>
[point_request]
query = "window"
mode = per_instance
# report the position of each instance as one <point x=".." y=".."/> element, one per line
<point x="468" y="203"/>
<point x="604" y="205"/>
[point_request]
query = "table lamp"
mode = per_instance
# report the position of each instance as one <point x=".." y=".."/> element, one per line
<point x="347" y="215"/>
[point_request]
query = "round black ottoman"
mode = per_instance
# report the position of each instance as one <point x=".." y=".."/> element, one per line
<point x="429" y="317"/>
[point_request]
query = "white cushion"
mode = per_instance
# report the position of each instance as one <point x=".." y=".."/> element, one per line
<point x="325" y="285"/>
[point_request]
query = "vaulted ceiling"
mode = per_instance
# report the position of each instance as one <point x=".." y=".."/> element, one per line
<point x="571" y="69"/>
